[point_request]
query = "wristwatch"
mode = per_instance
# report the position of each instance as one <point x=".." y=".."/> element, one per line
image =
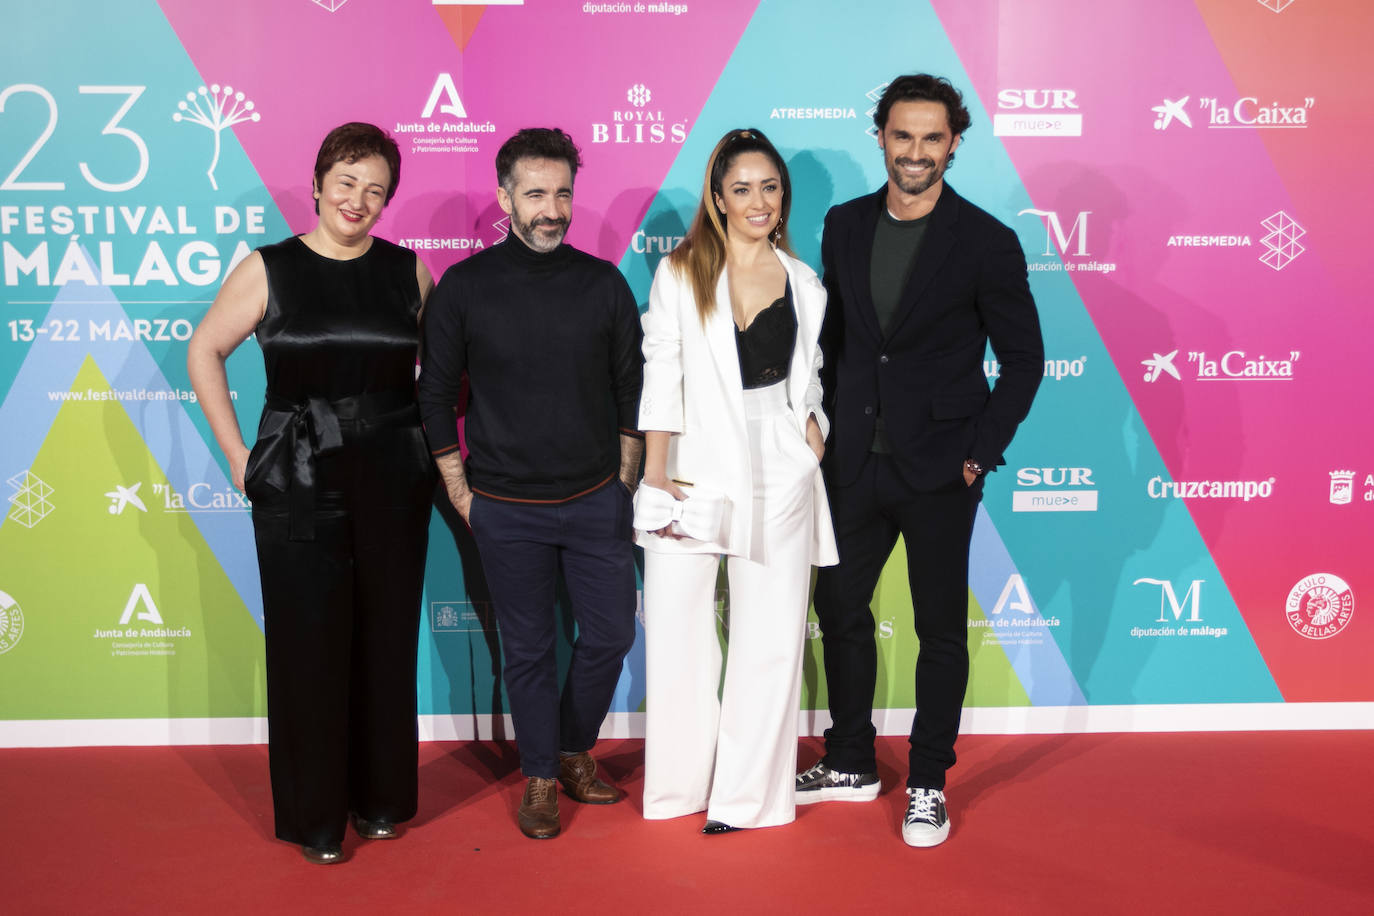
<point x="973" y="467"/>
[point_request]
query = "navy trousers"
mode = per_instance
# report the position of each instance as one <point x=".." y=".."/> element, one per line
<point x="524" y="546"/>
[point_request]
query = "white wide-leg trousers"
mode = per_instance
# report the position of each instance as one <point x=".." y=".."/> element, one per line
<point x="731" y="749"/>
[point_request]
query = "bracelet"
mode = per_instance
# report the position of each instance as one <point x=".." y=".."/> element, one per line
<point x="973" y="467"/>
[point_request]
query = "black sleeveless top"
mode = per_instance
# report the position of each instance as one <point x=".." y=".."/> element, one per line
<point x="765" y="347"/>
<point x="335" y="328"/>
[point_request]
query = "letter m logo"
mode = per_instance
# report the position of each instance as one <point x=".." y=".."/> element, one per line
<point x="1169" y="600"/>
<point x="443" y="86"/>
<point x="1055" y="235"/>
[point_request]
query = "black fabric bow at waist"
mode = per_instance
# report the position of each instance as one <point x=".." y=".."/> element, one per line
<point x="293" y="434"/>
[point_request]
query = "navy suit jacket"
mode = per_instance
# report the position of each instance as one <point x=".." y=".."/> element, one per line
<point x="967" y="288"/>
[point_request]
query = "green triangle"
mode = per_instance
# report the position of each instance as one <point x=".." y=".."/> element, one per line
<point x="74" y="565"/>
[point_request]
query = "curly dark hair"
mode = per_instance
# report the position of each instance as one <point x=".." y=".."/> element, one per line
<point x="922" y="87"/>
<point x="353" y="141"/>
<point x="535" y="143"/>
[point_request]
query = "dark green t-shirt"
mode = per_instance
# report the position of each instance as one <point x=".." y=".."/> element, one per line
<point x="895" y="246"/>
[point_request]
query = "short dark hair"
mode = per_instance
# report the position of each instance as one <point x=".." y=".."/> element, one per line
<point x="922" y="87"/>
<point x="353" y="141"/>
<point x="535" y="143"/>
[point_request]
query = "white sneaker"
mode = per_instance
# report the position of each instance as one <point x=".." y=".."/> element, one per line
<point x="926" y="822"/>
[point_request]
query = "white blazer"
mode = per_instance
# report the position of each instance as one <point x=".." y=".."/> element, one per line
<point x="692" y="389"/>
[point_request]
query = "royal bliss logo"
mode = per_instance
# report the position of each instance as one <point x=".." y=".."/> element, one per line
<point x="1319" y="606"/>
<point x="638" y="121"/>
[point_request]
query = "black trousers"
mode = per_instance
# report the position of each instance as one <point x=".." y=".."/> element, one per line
<point x="937" y="526"/>
<point x="341" y="615"/>
<point x="523" y="547"/>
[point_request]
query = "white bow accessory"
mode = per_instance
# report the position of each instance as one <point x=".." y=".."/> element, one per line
<point x="698" y="516"/>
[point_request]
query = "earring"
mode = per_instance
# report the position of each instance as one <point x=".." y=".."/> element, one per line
<point x="777" y="233"/>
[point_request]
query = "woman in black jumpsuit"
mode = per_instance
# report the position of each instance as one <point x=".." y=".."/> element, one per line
<point x="341" y="483"/>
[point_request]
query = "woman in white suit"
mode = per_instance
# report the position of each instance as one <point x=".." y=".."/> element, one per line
<point x="734" y="432"/>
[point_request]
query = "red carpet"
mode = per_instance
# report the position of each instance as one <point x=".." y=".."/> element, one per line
<point x="1275" y="822"/>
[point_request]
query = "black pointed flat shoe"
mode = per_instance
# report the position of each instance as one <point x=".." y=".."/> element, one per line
<point x="714" y="827"/>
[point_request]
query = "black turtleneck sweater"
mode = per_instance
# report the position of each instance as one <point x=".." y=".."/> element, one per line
<point x="550" y="344"/>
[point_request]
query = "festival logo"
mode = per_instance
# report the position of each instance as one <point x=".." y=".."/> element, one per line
<point x="29" y="503"/>
<point x="330" y="5"/>
<point x="215" y="110"/>
<point x="1277" y="6"/>
<point x="1177" y="616"/>
<point x="1037" y="113"/>
<point x="1282" y="241"/>
<point x="639" y="122"/>
<point x="1320" y="606"/>
<point x="11" y="623"/>
<point x="1054" y="490"/>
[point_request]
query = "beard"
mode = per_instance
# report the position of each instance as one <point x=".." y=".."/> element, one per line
<point x="540" y="233"/>
<point x="915" y="185"/>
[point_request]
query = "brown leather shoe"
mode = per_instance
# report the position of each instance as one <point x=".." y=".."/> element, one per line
<point x="538" y="814"/>
<point x="578" y="776"/>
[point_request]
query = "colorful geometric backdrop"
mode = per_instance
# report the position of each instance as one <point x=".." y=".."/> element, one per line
<point x="1180" y="539"/>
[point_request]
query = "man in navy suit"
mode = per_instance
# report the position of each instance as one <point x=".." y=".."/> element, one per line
<point x="920" y="281"/>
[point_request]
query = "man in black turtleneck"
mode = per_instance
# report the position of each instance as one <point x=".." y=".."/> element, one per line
<point x="549" y="339"/>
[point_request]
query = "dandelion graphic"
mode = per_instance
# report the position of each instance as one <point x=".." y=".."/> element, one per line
<point x="222" y="107"/>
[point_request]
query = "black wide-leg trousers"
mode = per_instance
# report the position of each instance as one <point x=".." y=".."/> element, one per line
<point x="936" y="526"/>
<point x="341" y="615"/>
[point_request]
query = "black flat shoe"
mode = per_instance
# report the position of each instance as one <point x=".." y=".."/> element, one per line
<point x="322" y="855"/>
<point x="373" y="830"/>
<point x="714" y="827"/>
